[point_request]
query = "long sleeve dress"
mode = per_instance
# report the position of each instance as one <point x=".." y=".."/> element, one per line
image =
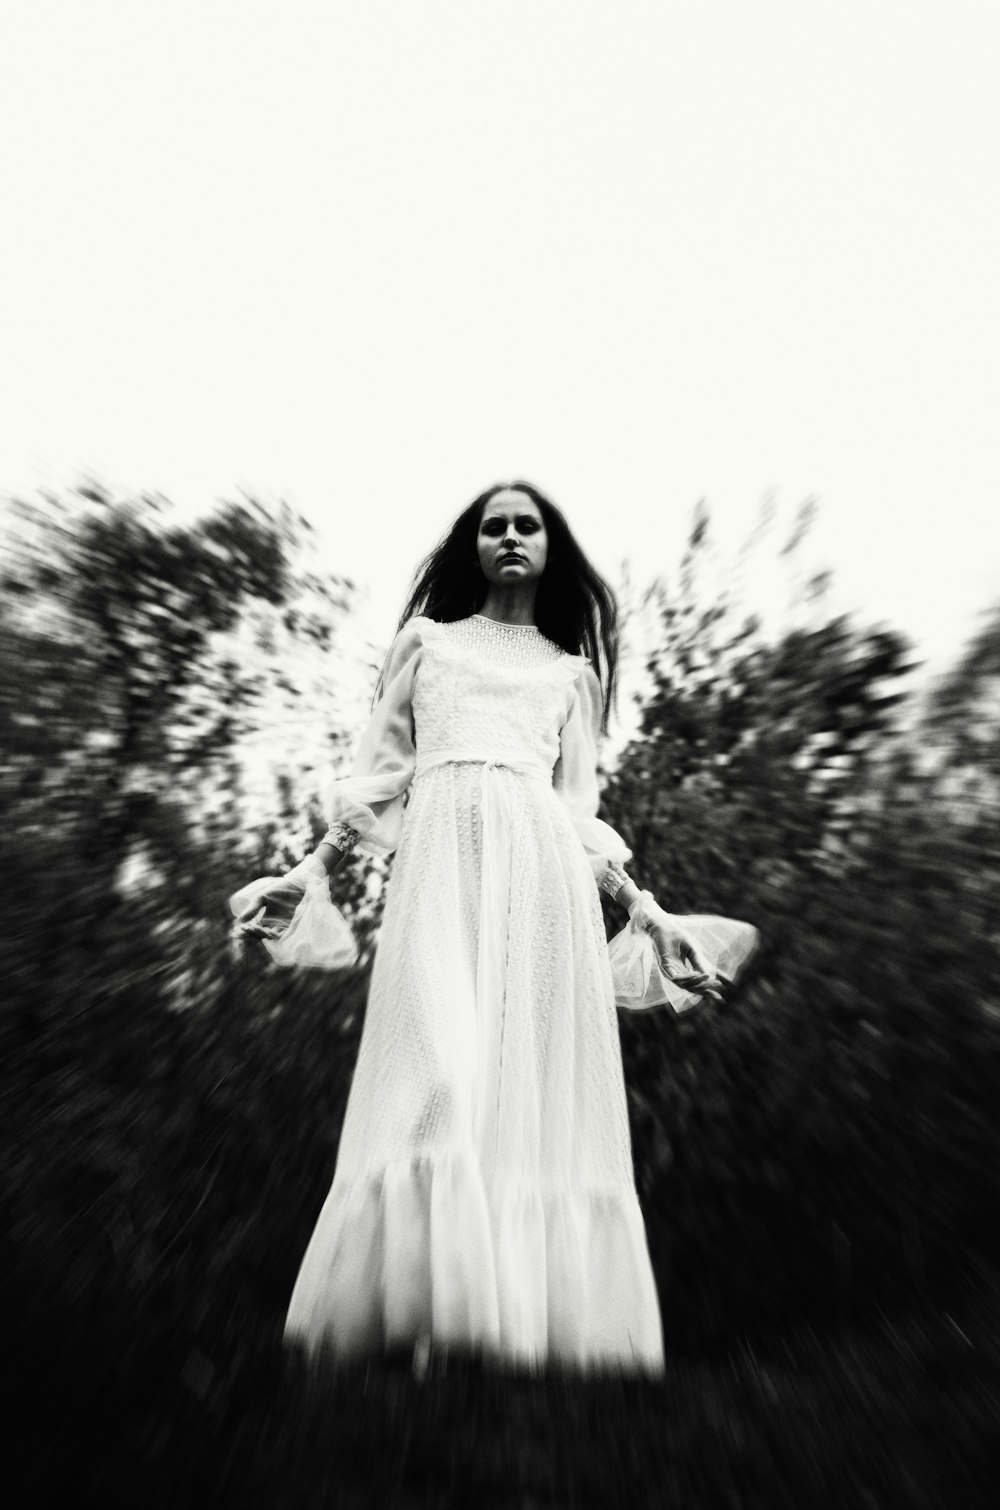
<point x="484" y="1195"/>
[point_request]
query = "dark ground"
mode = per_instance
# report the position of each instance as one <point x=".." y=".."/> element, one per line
<point x="124" y="1409"/>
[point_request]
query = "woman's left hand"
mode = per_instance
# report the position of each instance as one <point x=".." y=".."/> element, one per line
<point x="679" y="956"/>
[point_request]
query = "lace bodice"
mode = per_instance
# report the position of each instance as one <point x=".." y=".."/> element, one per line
<point x="476" y="689"/>
<point x="502" y="644"/>
<point x="491" y="689"/>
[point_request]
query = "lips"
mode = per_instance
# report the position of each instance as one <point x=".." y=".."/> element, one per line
<point x="512" y="556"/>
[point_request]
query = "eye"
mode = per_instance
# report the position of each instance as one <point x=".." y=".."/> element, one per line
<point x="527" y="525"/>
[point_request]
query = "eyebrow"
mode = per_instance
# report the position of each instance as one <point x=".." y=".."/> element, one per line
<point x="489" y="518"/>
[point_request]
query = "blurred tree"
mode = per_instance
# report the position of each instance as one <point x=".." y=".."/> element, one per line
<point x="811" y="1124"/>
<point x="115" y="617"/>
<point x="959" y="731"/>
<point x="747" y="748"/>
<point x="140" y="653"/>
<point x="172" y="694"/>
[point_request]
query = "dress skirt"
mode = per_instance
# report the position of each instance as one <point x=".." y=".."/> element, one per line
<point x="484" y="1195"/>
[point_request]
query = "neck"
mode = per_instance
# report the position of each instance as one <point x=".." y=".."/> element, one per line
<point x="510" y="605"/>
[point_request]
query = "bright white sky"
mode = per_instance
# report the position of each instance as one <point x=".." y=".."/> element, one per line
<point x="374" y="256"/>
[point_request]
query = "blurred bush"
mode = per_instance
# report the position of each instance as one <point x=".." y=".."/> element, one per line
<point x="170" y="702"/>
<point x="164" y="729"/>
<point x="821" y="1149"/>
<point x="825" y="1143"/>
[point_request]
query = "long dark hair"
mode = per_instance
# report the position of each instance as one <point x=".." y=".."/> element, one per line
<point x="574" y="606"/>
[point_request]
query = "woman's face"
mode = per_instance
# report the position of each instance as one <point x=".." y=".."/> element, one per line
<point x="512" y="542"/>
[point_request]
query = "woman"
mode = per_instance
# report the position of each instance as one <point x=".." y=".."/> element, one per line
<point x="484" y="1195"/>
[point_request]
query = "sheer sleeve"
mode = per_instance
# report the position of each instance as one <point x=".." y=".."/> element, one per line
<point x="641" y="979"/>
<point x="369" y="801"/>
<point x="575" y="774"/>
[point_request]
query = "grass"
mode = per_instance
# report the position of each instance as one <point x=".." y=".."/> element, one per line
<point x="132" y="1408"/>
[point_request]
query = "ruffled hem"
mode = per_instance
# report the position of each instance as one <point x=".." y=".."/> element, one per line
<point x="526" y="1275"/>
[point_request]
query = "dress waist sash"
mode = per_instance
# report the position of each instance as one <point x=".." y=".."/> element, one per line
<point x="426" y="760"/>
<point x="499" y="810"/>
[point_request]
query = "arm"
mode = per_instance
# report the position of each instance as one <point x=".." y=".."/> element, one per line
<point x="617" y="884"/>
<point x="364" y="809"/>
<point x="331" y="855"/>
<point x="575" y="780"/>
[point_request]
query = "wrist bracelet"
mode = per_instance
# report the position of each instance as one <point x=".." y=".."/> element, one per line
<point x="612" y="878"/>
<point x="342" y="836"/>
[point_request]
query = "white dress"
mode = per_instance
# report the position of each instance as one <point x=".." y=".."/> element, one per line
<point x="484" y="1194"/>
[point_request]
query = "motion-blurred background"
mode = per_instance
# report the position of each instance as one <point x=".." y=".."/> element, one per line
<point x="283" y="288"/>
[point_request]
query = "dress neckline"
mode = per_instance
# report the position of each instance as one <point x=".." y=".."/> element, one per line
<point x="502" y="623"/>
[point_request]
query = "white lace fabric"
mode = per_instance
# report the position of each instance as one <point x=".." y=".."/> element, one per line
<point x="484" y="1193"/>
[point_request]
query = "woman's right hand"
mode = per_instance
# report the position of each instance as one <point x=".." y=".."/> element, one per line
<point x="293" y="920"/>
<point x="264" y="909"/>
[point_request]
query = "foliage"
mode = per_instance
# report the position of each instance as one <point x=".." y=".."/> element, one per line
<point x="817" y="1160"/>
<point x="749" y="752"/>
<point x="959" y="731"/>
<point x="144" y="658"/>
<point x="832" y="1124"/>
<point x="163" y="1174"/>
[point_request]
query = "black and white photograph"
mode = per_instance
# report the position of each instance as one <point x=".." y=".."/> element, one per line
<point x="500" y="754"/>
